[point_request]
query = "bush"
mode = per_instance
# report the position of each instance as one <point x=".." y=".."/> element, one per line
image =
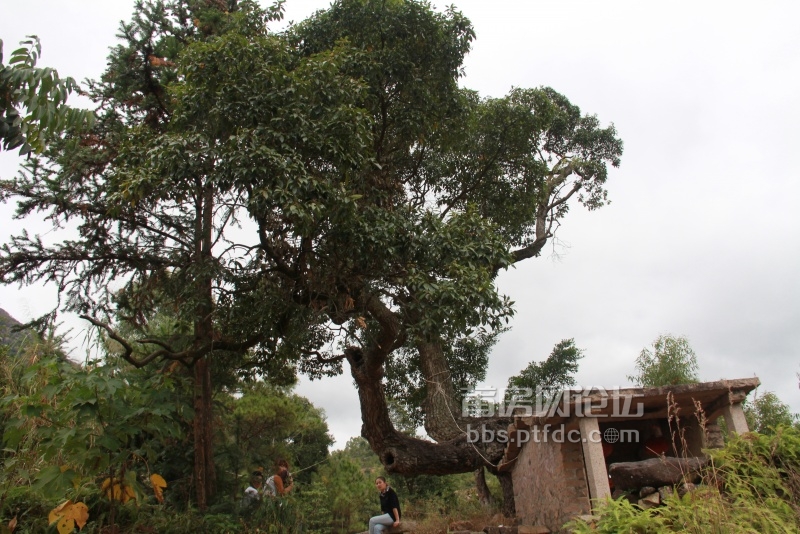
<point x="752" y="485"/>
<point x="29" y="508"/>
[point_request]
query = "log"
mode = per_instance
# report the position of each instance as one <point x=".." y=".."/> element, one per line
<point x="406" y="527"/>
<point x="657" y="472"/>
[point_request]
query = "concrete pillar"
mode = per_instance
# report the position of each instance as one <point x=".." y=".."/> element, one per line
<point x="594" y="461"/>
<point x="734" y="418"/>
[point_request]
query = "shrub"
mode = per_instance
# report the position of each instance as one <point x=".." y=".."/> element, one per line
<point x="752" y="485"/>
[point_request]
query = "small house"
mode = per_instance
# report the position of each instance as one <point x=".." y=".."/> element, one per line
<point x="559" y="454"/>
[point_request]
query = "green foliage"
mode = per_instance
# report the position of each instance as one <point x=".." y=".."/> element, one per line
<point x="766" y="412"/>
<point x="146" y="518"/>
<point x="266" y="423"/>
<point x="358" y="450"/>
<point x="69" y="427"/>
<point x="385" y="199"/>
<point x="30" y="509"/>
<point x="671" y="361"/>
<point x="86" y="422"/>
<point x="752" y="485"/>
<point x="207" y="123"/>
<point x="621" y="517"/>
<point x="409" y="57"/>
<point x="276" y="516"/>
<point x="348" y="494"/>
<point x="33" y="101"/>
<point x="553" y="374"/>
<point x="467" y="357"/>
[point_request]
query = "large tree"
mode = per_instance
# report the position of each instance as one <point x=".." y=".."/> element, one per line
<point x="381" y="200"/>
<point x="155" y="194"/>
<point x="459" y="187"/>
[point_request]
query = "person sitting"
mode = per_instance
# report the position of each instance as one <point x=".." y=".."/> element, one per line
<point x="281" y="482"/>
<point x="390" y="506"/>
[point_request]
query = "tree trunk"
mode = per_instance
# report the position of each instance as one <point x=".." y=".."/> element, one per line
<point x="204" y="473"/>
<point x="459" y="446"/>
<point x="410" y="456"/>
<point x="507" y="485"/>
<point x="442" y="413"/>
<point x="484" y="495"/>
<point x="443" y="417"/>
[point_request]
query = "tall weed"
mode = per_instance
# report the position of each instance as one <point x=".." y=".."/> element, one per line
<point x="750" y="486"/>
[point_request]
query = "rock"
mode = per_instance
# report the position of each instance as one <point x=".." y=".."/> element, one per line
<point x="650" y="501"/>
<point x="655" y="472"/>
<point x="664" y="492"/>
<point x="647" y="490"/>
<point x="714" y="439"/>
<point x="462" y="525"/>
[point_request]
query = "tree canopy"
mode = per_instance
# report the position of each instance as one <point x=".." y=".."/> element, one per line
<point x="553" y="374"/>
<point x="298" y="200"/>
<point x="671" y="361"/>
<point x="766" y="412"/>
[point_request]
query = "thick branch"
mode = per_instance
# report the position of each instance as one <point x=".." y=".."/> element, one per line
<point x="542" y="235"/>
<point x="266" y="246"/>
<point x="128" y="354"/>
<point x="531" y="250"/>
<point x="323" y="359"/>
<point x="442" y="413"/>
<point x="411" y="456"/>
<point x="186" y="357"/>
<point x="390" y="332"/>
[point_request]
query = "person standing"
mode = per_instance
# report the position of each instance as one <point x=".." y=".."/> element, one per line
<point x="253" y="492"/>
<point x="390" y="506"/>
<point x="281" y="482"/>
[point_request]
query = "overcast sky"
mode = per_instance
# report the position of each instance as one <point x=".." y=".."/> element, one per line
<point x="702" y="237"/>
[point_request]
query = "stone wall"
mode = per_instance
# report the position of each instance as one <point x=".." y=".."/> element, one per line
<point x="550" y="483"/>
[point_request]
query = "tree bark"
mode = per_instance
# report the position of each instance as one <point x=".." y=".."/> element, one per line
<point x="458" y="448"/>
<point x="442" y="413"/>
<point x="411" y="456"/>
<point x="507" y="485"/>
<point x="484" y="495"/>
<point x="444" y="420"/>
<point x="204" y="472"/>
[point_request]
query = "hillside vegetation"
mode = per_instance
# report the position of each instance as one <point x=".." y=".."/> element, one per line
<point x="752" y="485"/>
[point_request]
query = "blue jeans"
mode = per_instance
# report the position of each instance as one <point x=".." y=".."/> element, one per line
<point x="379" y="523"/>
